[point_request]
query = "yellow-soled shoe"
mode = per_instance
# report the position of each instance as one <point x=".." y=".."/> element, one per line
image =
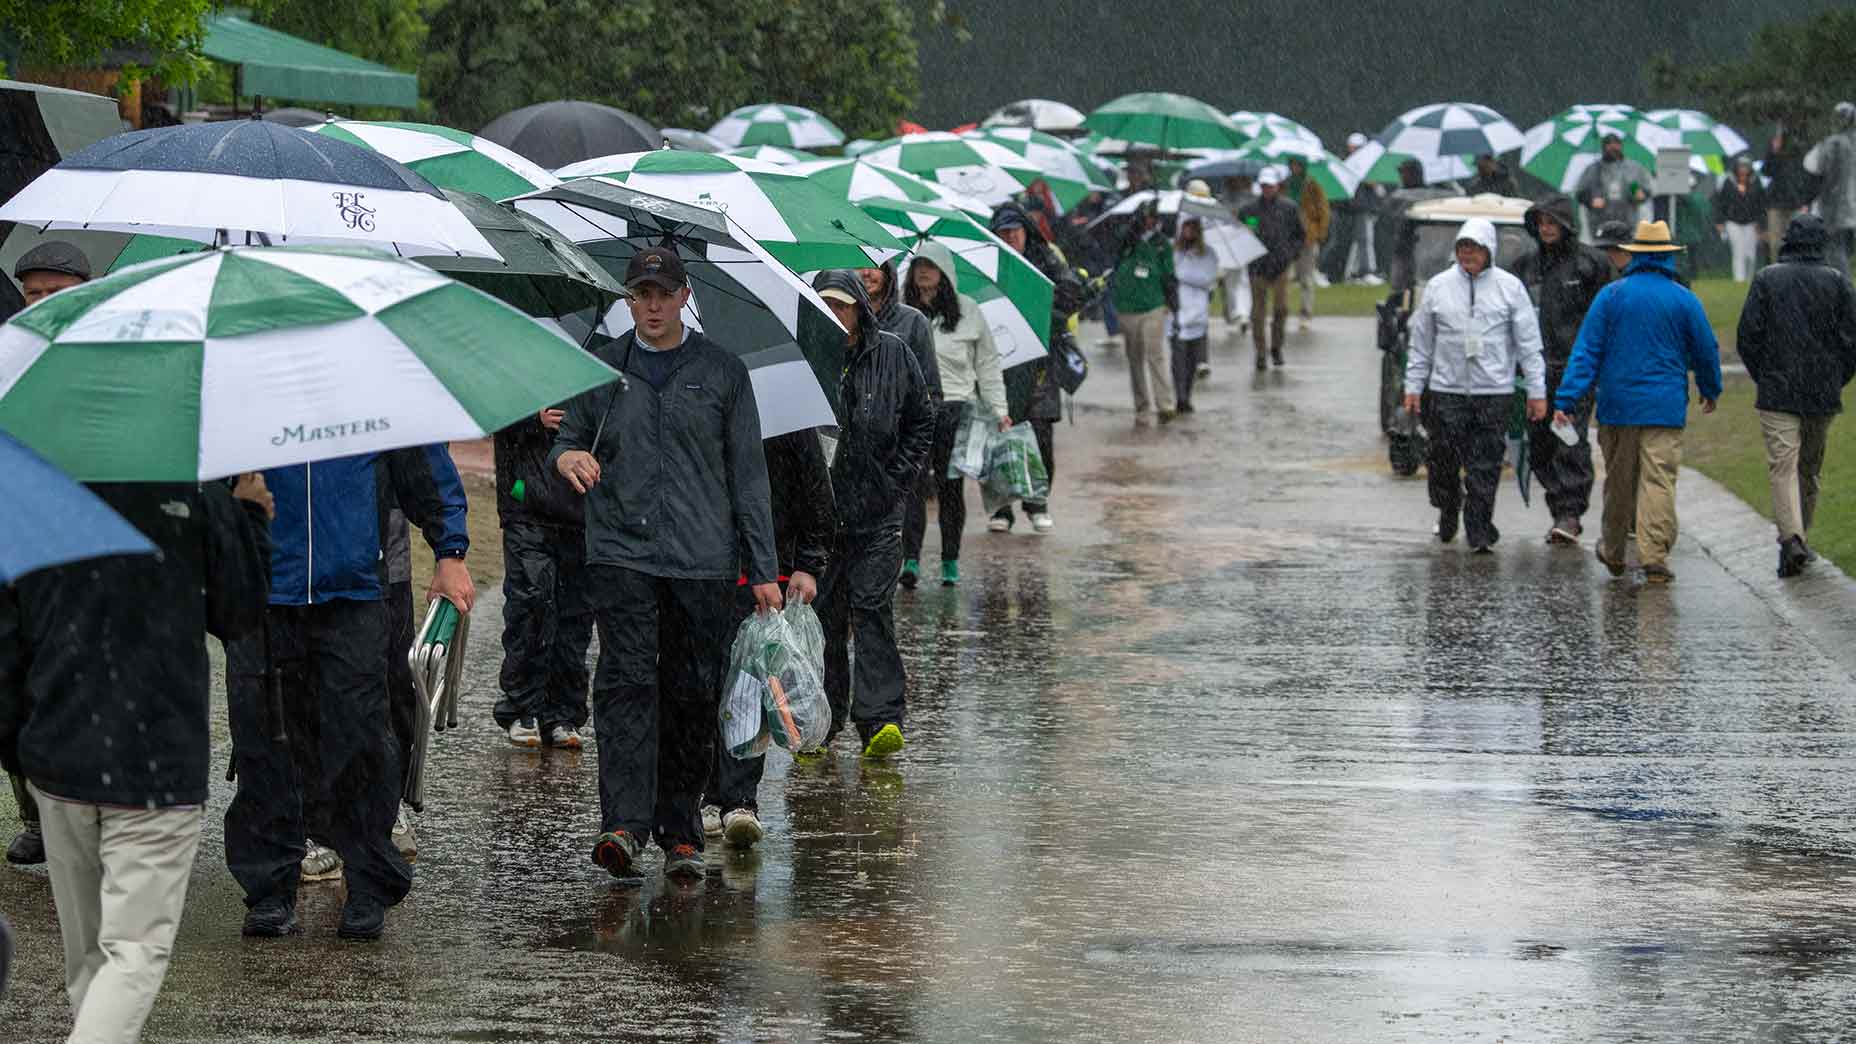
<point x="886" y="741"/>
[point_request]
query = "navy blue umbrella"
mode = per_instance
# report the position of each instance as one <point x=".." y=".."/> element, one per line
<point x="48" y="520"/>
<point x="246" y="181"/>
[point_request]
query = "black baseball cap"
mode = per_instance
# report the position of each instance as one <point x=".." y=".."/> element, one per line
<point x="656" y="265"/>
<point x="55" y="256"/>
<point x="1614" y="233"/>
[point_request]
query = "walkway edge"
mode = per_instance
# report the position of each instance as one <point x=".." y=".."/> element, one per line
<point x="1822" y="602"/>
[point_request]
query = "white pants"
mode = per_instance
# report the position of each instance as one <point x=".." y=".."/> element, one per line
<point x="1360" y="259"/>
<point x="1743" y="242"/>
<point x="119" y="879"/>
<point x="1236" y="294"/>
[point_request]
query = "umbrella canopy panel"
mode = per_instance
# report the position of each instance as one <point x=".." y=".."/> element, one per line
<point x="541" y="272"/>
<point x="41" y="125"/>
<point x="448" y="158"/>
<point x="1163" y="122"/>
<point x="788" y="126"/>
<point x="278" y="65"/>
<point x="557" y="133"/>
<point x="1043" y="114"/>
<point x="51" y="520"/>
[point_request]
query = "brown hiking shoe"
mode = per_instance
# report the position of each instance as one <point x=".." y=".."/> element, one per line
<point x="1614" y="565"/>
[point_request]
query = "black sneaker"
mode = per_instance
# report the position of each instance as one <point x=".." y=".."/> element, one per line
<point x="1276" y="353"/>
<point x="1793" y="557"/>
<point x="363" y="918"/>
<point x="28" y="849"/>
<point x="270" y="919"/>
<point x="616" y="852"/>
<point x="684" y="862"/>
<point x="1446" y="526"/>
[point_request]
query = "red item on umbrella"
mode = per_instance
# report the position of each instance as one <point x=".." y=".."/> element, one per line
<point x="908" y="127"/>
<point x="963" y="128"/>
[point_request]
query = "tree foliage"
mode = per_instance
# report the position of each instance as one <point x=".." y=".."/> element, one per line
<point x="1794" y="74"/>
<point x="391" y="32"/>
<point x="674" y="62"/>
<point x="75" y="32"/>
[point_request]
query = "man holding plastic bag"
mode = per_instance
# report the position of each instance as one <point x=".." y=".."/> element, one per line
<point x="803" y="526"/>
<point x="886" y="425"/>
<point x="677" y="509"/>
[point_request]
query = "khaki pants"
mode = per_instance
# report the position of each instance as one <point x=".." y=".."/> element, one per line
<point x="1640" y="490"/>
<point x="1148" y="359"/>
<point x="1268" y="318"/>
<point x="1305" y="267"/>
<point x="1794" y="458"/>
<point x="119" y="879"/>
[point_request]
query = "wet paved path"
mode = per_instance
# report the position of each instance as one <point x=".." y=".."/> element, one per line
<point x="1238" y="753"/>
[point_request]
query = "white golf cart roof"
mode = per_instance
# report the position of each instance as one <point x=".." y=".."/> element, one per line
<point x="1501" y="210"/>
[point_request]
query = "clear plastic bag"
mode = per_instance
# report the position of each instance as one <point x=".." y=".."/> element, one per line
<point x="775" y="694"/>
<point x="1014" y="469"/>
<point x="972" y="439"/>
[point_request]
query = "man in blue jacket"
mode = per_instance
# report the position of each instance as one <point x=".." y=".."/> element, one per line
<point x="1643" y="335"/>
<point x="335" y="778"/>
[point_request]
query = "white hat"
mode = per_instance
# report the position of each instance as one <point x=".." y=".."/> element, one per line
<point x="1198" y="187"/>
<point x="1269" y="176"/>
<point x="1356" y="140"/>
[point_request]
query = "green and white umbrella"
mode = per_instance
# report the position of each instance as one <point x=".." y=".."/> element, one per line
<point x="212" y="363"/>
<point x="1071" y="175"/>
<point x="806" y="227"/>
<point x="982" y="169"/>
<point x="788" y="126"/>
<point x="1715" y="143"/>
<point x="1450" y="129"/>
<point x="1013" y="295"/>
<point x="859" y="179"/>
<point x="1559" y="150"/>
<point x="448" y="158"/>
<point x="1331" y="172"/>
<point x="754" y="306"/>
<point x="859" y="146"/>
<point x="1371" y="162"/>
<point x="1162" y="122"/>
<point x="773" y="154"/>
<point x="1266" y="127"/>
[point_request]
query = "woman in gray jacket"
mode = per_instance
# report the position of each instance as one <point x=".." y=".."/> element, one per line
<point x="970" y="373"/>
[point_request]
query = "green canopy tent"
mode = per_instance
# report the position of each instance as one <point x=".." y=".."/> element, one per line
<point x="270" y="64"/>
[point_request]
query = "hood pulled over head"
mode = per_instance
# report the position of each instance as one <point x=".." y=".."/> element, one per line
<point x="938" y="255"/>
<point x="847" y="281"/>
<point x="1556" y="208"/>
<point x="1480" y="231"/>
<point x="1805" y="239"/>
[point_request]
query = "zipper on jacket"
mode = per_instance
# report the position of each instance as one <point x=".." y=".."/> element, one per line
<point x="309" y="538"/>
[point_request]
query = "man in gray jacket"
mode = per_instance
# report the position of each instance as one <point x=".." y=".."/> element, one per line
<point x="685" y="511"/>
<point x="1473" y="328"/>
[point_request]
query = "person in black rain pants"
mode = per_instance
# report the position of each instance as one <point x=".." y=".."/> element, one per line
<point x="546" y="622"/>
<point x="803" y="525"/>
<point x="337" y="778"/>
<point x="886" y="427"/>
<point x="677" y="508"/>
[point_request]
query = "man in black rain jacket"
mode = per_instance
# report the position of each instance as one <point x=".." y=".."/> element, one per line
<point x="804" y="525"/>
<point x="886" y="425"/>
<point x="677" y="508"/>
<point x="105" y="710"/>
<point x="547" y="625"/>
<point x="1562" y="276"/>
<point x="1797" y="338"/>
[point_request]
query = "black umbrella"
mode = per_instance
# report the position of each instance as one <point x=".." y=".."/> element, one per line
<point x="41" y="125"/>
<point x="557" y="133"/>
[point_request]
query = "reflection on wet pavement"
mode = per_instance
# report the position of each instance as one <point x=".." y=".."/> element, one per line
<point x="1238" y="753"/>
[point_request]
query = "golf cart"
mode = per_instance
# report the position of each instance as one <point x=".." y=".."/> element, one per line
<point x="1426" y="246"/>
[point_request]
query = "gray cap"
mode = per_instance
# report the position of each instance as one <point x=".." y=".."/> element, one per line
<point x="1614" y="233"/>
<point x="55" y="256"/>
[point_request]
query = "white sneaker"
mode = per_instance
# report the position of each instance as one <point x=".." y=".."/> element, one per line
<point x="1202" y="372"/>
<point x="403" y="837"/>
<point x="742" y="828"/>
<point x="711" y="820"/>
<point x="1321" y="280"/>
<point x="319" y="863"/>
<point x="998" y="525"/>
<point x="523" y="732"/>
<point x="1042" y="523"/>
<point x="564" y="736"/>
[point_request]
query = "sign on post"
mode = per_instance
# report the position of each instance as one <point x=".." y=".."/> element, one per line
<point x="1671" y="177"/>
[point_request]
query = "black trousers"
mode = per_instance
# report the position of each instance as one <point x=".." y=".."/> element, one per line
<point x="337" y="779"/>
<point x="1564" y="472"/>
<point x="402" y="697"/>
<point x="1464" y="462"/>
<point x="663" y="648"/>
<point x="547" y="626"/>
<point x="735" y="782"/>
<point x="1187" y="355"/>
<point x="856" y="600"/>
<point x="1046" y="431"/>
<point x="950" y="495"/>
